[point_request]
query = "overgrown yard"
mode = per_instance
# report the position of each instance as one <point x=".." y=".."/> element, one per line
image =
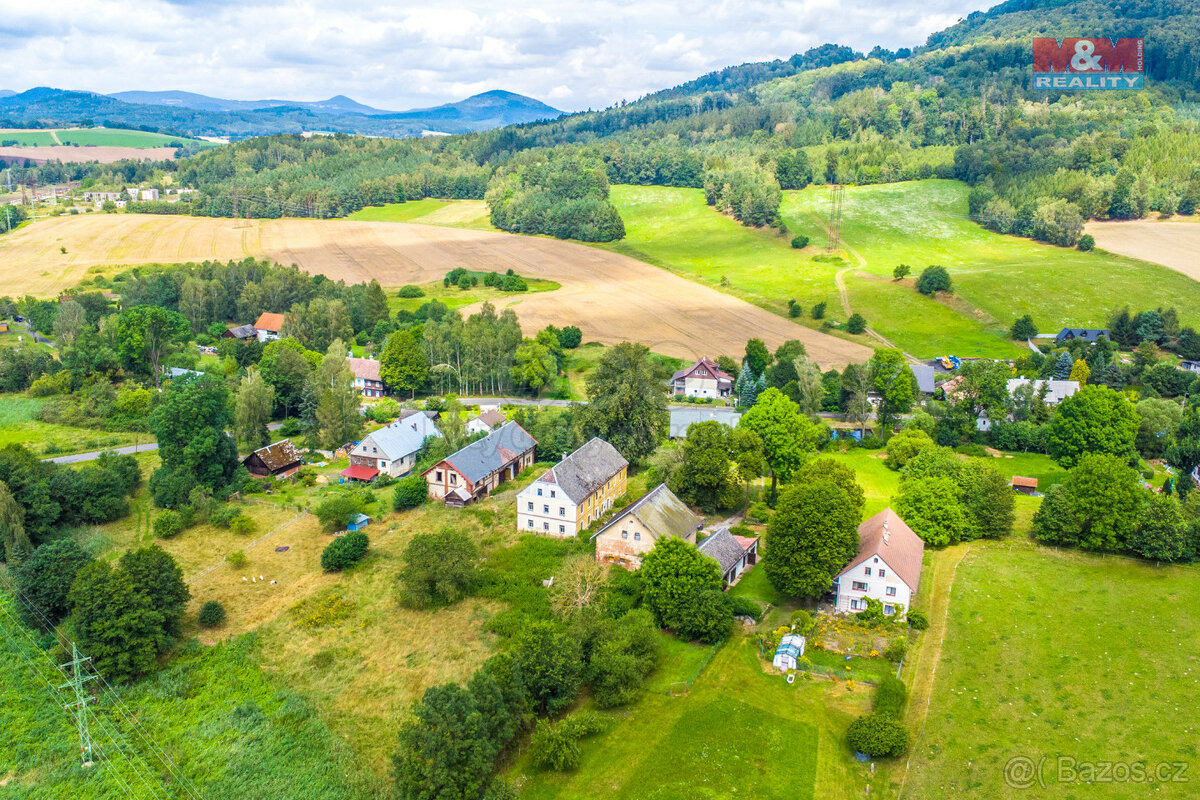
<point x="1053" y="655"/>
<point x="18" y="425"/>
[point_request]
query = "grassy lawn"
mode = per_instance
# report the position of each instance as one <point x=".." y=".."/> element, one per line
<point x="124" y="138"/>
<point x="997" y="278"/>
<point x="454" y="297"/>
<point x="472" y="214"/>
<point x="27" y="138"/>
<point x="18" y="426"/>
<point x="1050" y="654"/>
<point x="738" y="732"/>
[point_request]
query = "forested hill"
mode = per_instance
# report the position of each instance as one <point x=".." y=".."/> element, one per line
<point x="960" y="106"/>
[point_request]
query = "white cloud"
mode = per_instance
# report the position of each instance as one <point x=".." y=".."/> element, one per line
<point x="403" y="54"/>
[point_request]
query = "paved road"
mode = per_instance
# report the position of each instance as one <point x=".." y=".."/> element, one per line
<point x="92" y="456"/>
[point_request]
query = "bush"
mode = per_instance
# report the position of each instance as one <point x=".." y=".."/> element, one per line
<point x="241" y="524"/>
<point x="799" y="241"/>
<point x="856" y="324"/>
<point x="438" y="568"/>
<point x="1086" y="242"/>
<point x="818" y="311"/>
<point x="410" y="492"/>
<point x="802" y="621"/>
<point x="706" y="616"/>
<point x="167" y="523"/>
<point x="745" y="607"/>
<point x="344" y="551"/>
<point x="334" y="512"/>
<point x="877" y="735"/>
<point x="890" y="697"/>
<point x="570" y="337"/>
<point x="237" y="559"/>
<point x="410" y="291"/>
<point x="934" y="279"/>
<point x="212" y="614"/>
<point x="901" y="271"/>
<point x="223" y="517"/>
<point x="555" y="745"/>
<point x="870" y="442"/>
<point x="795" y="309"/>
<point x="897" y="649"/>
<point x="918" y="620"/>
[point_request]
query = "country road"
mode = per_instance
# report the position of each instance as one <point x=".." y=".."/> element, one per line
<point x="93" y="455"/>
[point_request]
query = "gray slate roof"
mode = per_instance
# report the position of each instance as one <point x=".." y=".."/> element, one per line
<point x="723" y="548"/>
<point x="402" y="438"/>
<point x="1057" y="391"/>
<point x="1086" y="334"/>
<point x="480" y="459"/>
<point x="924" y="374"/>
<point x="242" y="332"/>
<point x="662" y="513"/>
<point x="681" y="418"/>
<point x="586" y="470"/>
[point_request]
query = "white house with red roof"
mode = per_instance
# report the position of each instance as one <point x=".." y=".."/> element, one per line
<point x="887" y="567"/>
<point x="702" y="379"/>
<point x="366" y="376"/>
<point x="267" y="326"/>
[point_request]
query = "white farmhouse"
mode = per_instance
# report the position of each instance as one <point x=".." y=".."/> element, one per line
<point x="887" y="567"/>
<point x="392" y="450"/>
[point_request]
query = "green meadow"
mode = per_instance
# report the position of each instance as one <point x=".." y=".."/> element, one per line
<point x="1053" y="655"/>
<point x="109" y="137"/>
<point x="996" y="278"/>
<point x="472" y="214"/>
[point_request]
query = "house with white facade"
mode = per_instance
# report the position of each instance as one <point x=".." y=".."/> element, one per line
<point x="486" y="422"/>
<point x="1052" y="392"/>
<point x="887" y="567"/>
<point x="268" y="326"/>
<point x="392" y="450"/>
<point x="702" y="379"/>
<point x="366" y="376"/>
<point x="573" y="493"/>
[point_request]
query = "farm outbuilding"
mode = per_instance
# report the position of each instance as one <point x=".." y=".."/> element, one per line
<point x="1024" y="485"/>
<point x="358" y="522"/>
<point x="279" y="460"/>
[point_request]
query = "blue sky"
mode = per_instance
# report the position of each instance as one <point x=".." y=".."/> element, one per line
<point x="396" y="55"/>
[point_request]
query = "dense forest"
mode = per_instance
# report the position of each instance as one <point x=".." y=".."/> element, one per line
<point x="960" y="107"/>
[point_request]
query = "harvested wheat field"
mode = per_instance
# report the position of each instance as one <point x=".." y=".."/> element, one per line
<point x="611" y="297"/>
<point x="105" y="154"/>
<point x="1174" y="243"/>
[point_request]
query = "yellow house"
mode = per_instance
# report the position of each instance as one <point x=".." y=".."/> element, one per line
<point x="573" y="493"/>
<point x="632" y="533"/>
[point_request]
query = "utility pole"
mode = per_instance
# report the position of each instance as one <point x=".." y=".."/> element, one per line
<point x="79" y="707"/>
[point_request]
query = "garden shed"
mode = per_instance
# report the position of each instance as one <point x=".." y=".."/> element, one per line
<point x="791" y="648"/>
<point x="358" y="522"/>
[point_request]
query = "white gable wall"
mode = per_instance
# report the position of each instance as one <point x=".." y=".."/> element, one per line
<point x="544" y="508"/>
<point x="856" y="585"/>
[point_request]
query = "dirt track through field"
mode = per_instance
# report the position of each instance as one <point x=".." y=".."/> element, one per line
<point x="1172" y="243"/>
<point x="611" y="297"/>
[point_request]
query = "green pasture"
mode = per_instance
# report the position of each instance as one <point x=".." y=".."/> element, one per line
<point x="472" y="214"/>
<point x="115" y="137"/>
<point x="1053" y="654"/>
<point x="997" y="278"/>
<point x="19" y="426"/>
<point x="28" y="138"/>
<point x="454" y="297"/>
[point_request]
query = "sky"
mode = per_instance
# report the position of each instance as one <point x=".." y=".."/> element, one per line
<point x="403" y="54"/>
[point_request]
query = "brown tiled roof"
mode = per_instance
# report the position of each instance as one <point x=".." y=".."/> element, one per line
<point x="269" y="322"/>
<point x="492" y="418"/>
<point x="1029" y="483"/>
<point x="710" y="366"/>
<point x="887" y="536"/>
<point x="279" y="455"/>
<point x="365" y="368"/>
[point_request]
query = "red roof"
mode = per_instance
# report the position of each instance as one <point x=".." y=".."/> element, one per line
<point x="360" y="473"/>
<point x="365" y="368"/>
<point x="269" y="322"/>
<point x="887" y="536"/>
<point x="1029" y="483"/>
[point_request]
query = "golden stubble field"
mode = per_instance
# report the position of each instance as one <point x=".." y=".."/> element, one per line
<point x="1174" y="243"/>
<point x="611" y="297"/>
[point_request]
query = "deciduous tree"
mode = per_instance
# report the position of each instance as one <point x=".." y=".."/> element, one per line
<point x="1093" y="420"/>
<point x="255" y="399"/>
<point x="787" y="435"/>
<point x="812" y="535"/>
<point x="627" y="406"/>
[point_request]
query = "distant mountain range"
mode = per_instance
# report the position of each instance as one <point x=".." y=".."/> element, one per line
<point x="190" y="114"/>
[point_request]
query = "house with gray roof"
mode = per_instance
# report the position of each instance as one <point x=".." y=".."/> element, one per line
<point x="924" y="374"/>
<point x="633" y="531"/>
<point x="240" y="332"/>
<point x="733" y="554"/>
<point x="477" y="469"/>
<point x="573" y="493"/>
<point x="1089" y="335"/>
<point x="392" y="450"/>
<point x="683" y="418"/>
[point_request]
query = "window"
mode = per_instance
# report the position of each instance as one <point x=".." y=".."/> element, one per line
<point x="888" y="608"/>
<point x="856" y="605"/>
<point x="876" y="561"/>
<point x="882" y="573"/>
<point x="866" y="570"/>
<point x="539" y="492"/>
<point x="858" y="586"/>
<point x="552" y="493"/>
<point x="624" y="534"/>
<point x="891" y="592"/>
<point x="531" y="523"/>
<point x="562" y="512"/>
<point x="562" y="528"/>
<point x="382" y="464"/>
<point x="545" y="526"/>
<point x="531" y="505"/>
<point x="637" y="536"/>
<point x="438" y="475"/>
<point x="545" y="509"/>
<point x="454" y="477"/>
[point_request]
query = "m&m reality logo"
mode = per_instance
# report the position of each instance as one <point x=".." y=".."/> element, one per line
<point x="1089" y="64"/>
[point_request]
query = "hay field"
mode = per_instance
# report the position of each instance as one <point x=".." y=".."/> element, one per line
<point x="1173" y="243"/>
<point x="611" y="297"/>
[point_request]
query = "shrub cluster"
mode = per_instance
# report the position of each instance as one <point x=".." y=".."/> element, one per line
<point x="344" y="551"/>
